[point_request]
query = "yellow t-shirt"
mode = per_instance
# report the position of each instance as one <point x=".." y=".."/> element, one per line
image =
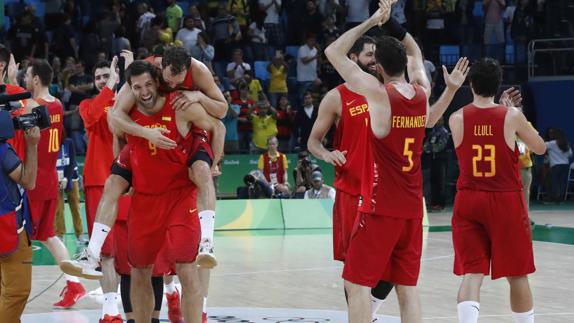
<point x="263" y="128"/>
<point x="254" y="89"/>
<point x="524" y="159"/>
<point x="277" y="79"/>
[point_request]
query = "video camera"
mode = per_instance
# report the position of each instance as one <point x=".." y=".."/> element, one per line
<point x="9" y="103"/>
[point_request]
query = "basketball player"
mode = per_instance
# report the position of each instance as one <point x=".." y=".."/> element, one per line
<point x="490" y="225"/>
<point x="181" y="72"/>
<point x="43" y="198"/>
<point x="387" y="242"/>
<point x="163" y="204"/>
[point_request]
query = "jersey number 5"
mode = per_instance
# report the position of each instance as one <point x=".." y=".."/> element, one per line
<point x="53" y="144"/>
<point x="482" y="156"/>
<point x="409" y="154"/>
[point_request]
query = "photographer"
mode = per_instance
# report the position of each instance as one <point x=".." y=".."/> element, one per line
<point x="256" y="187"/>
<point x="15" y="247"/>
<point x="302" y="173"/>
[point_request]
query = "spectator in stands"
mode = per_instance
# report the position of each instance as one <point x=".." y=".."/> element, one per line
<point x="273" y="29"/>
<point x="107" y="28"/>
<point x="196" y="15"/>
<point x="285" y="118"/>
<point x="521" y="30"/>
<point x="188" y="34"/>
<point x="244" y="128"/>
<point x="559" y="154"/>
<point x="80" y="85"/>
<point x="255" y="88"/>
<point x="277" y="78"/>
<point x="398" y="12"/>
<point x="22" y="38"/>
<point x="329" y="31"/>
<point x="236" y="69"/>
<point x="494" y="28"/>
<point x="90" y="44"/>
<point x="58" y="78"/>
<point x="73" y="11"/>
<point x="226" y="34"/>
<point x="173" y="14"/>
<point x="203" y="51"/>
<point x="303" y="174"/>
<point x="304" y="120"/>
<point x="275" y="167"/>
<point x="312" y="19"/>
<point x="257" y="40"/>
<point x="307" y="65"/>
<point x="165" y="32"/>
<point x="435" y="145"/>
<point x="241" y="9"/>
<point x="144" y="20"/>
<point x="42" y="47"/>
<point x="264" y="122"/>
<point x="434" y="32"/>
<point x="68" y="179"/>
<point x="64" y="40"/>
<point x="319" y="190"/>
<point x="230" y="122"/>
<point x="525" y="162"/>
<point x="151" y="36"/>
<point x="331" y="9"/>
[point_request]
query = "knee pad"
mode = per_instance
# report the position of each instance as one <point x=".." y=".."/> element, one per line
<point x="125" y="283"/>
<point x="157" y="284"/>
<point x="382" y="290"/>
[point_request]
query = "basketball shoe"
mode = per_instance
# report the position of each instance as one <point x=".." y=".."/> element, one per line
<point x="174" y="307"/>
<point x="85" y="266"/>
<point x="70" y="294"/>
<point x="206" y="255"/>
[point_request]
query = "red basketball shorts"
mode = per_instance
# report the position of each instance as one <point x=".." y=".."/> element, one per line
<point x="161" y="266"/>
<point x="344" y="215"/>
<point x="170" y="217"/>
<point x="491" y="230"/>
<point x="384" y="248"/>
<point x="200" y="148"/>
<point x="43" y="213"/>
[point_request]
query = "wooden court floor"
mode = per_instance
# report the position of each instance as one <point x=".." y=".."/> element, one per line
<point x="293" y="271"/>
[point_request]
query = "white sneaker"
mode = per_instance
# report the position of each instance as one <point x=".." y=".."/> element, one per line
<point x="84" y="266"/>
<point x="206" y="255"/>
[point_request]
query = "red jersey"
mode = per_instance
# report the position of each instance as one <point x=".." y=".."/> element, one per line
<point x="100" y="154"/>
<point x="187" y="83"/>
<point x="350" y="136"/>
<point x="48" y="148"/>
<point x="156" y="170"/>
<point x="486" y="162"/>
<point x="368" y="174"/>
<point x="397" y="189"/>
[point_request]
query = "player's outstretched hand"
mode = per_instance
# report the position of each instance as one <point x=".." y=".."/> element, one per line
<point x="156" y="137"/>
<point x="114" y="73"/>
<point x="184" y="99"/>
<point x="511" y="97"/>
<point x="128" y="57"/>
<point x="12" y="70"/>
<point x="456" y="78"/>
<point x="335" y="157"/>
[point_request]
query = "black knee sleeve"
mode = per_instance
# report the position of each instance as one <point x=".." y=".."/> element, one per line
<point x="382" y="290"/>
<point x="157" y="284"/>
<point x="125" y="283"/>
<point x="154" y="320"/>
<point x="131" y="321"/>
<point x="200" y="155"/>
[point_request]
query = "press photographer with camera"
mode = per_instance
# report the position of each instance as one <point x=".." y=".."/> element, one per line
<point x="15" y="246"/>
<point x="303" y="174"/>
<point x="256" y="187"/>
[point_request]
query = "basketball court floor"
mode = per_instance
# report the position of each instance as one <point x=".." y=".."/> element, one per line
<point x="289" y="276"/>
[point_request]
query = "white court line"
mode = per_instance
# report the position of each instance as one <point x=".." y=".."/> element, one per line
<point x="497" y="315"/>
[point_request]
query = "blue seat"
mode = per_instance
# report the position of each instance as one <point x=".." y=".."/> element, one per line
<point x="292" y="50"/>
<point x="449" y="54"/>
<point x="261" y="70"/>
<point x="509" y="57"/>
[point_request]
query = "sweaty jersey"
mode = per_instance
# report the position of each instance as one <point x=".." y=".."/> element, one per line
<point x="100" y="154"/>
<point x="486" y="162"/>
<point x="48" y="148"/>
<point x="397" y="183"/>
<point x="350" y="136"/>
<point x="187" y="83"/>
<point x="156" y="170"/>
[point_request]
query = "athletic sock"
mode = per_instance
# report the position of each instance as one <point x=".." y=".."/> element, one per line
<point x="375" y="305"/>
<point x="72" y="279"/>
<point x="110" y="305"/>
<point x="468" y="311"/>
<point x="526" y="317"/>
<point x="207" y="222"/>
<point x="170" y="288"/>
<point x="99" y="234"/>
<point x="205" y="305"/>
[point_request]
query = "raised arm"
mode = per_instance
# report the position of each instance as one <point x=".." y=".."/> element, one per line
<point x="415" y="66"/>
<point x="453" y="81"/>
<point x="526" y="132"/>
<point x="329" y="113"/>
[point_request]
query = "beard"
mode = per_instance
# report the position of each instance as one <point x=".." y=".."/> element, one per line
<point x="367" y="68"/>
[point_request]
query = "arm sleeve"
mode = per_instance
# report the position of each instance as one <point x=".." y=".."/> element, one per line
<point x="10" y="161"/>
<point x="92" y="110"/>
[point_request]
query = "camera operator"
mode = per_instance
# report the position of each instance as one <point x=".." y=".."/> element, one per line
<point x="256" y="187"/>
<point x="15" y="247"/>
<point x="303" y="179"/>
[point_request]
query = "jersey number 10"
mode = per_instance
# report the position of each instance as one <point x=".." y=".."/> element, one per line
<point x="481" y="155"/>
<point x="54" y="144"/>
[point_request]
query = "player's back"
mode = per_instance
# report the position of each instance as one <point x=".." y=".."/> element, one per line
<point x="156" y="170"/>
<point x="350" y="136"/>
<point x="397" y="186"/>
<point x="486" y="162"/>
<point x="48" y="148"/>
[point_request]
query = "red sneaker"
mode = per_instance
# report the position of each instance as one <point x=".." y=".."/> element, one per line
<point x="112" y="319"/>
<point x="174" y="307"/>
<point x="70" y="294"/>
<point x="204" y="317"/>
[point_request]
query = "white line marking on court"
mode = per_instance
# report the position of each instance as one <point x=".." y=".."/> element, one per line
<point x="497" y="315"/>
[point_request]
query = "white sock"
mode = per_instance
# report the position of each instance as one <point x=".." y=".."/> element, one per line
<point x="170" y="288"/>
<point x="207" y="222"/>
<point x="526" y="317"/>
<point x="375" y="305"/>
<point x="110" y="306"/>
<point x="468" y="311"/>
<point x="72" y="279"/>
<point x="205" y="305"/>
<point x="99" y="234"/>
